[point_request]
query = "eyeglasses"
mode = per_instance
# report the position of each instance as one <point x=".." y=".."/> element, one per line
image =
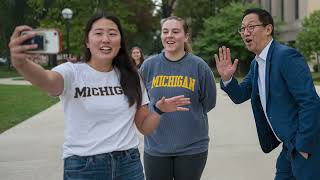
<point x="250" y="28"/>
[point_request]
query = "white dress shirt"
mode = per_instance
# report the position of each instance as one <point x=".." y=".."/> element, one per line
<point x="261" y="60"/>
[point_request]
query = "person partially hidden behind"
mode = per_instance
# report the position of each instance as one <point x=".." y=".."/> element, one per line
<point x="284" y="101"/>
<point x="136" y="56"/>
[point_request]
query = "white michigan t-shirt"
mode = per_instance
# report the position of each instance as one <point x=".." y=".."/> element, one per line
<point x="98" y="118"/>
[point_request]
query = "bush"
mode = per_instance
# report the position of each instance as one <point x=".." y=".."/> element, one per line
<point x="315" y="68"/>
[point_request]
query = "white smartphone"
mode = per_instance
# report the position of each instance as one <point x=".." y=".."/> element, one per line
<point x="48" y="40"/>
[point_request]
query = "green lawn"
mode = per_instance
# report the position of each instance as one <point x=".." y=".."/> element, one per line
<point x="18" y="102"/>
<point x="5" y="72"/>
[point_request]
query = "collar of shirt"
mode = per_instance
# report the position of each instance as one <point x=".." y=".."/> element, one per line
<point x="263" y="55"/>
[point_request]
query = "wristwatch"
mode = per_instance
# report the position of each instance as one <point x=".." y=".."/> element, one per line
<point x="157" y="110"/>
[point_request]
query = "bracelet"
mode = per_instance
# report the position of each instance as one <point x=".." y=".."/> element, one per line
<point x="157" y="110"/>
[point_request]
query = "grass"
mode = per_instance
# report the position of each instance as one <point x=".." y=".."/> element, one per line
<point x="6" y="73"/>
<point x="19" y="102"/>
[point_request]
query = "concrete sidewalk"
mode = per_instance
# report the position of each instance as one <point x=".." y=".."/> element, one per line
<point x="14" y="81"/>
<point x="32" y="150"/>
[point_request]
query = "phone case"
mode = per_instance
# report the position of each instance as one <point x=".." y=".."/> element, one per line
<point x="49" y="41"/>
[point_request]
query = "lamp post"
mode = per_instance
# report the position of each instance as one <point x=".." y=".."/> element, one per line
<point x="67" y="15"/>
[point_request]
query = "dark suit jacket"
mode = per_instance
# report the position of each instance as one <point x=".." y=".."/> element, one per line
<point x="292" y="103"/>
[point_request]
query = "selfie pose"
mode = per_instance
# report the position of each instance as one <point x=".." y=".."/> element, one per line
<point x="103" y="99"/>
<point x="284" y="101"/>
<point x="178" y="147"/>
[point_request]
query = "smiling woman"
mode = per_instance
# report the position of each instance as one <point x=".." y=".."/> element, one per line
<point x="177" y="71"/>
<point x="103" y="100"/>
<point x="103" y="40"/>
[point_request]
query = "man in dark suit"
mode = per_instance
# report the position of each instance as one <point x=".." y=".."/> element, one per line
<point x="284" y="101"/>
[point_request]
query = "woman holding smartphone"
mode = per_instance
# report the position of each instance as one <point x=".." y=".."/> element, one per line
<point x="103" y="99"/>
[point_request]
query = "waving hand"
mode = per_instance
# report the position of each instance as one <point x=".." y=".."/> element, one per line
<point x="224" y="64"/>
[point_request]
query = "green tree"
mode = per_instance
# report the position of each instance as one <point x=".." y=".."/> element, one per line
<point x="222" y="30"/>
<point x="136" y="18"/>
<point x="145" y="24"/>
<point x="5" y="27"/>
<point x="12" y="13"/>
<point x="204" y="9"/>
<point x="165" y="7"/>
<point x="308" y="40"/>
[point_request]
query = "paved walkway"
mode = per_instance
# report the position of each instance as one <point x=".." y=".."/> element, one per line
<point x="14" y="81"/>
<point x="32" y="150"/>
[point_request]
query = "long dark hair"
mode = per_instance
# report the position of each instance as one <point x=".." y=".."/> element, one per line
<point x="129" y="77"/>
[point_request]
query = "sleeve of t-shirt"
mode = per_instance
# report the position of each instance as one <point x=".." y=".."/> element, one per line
<point x="67" y="72"/>
<point x="145" y="97"/>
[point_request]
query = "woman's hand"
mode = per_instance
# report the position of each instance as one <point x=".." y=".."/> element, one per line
<point x="18" y="51"/>
<point x="173" y="104"/>
<point x="147" y="121"/>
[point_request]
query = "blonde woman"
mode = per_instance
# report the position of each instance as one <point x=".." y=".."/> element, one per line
<point x="178" y="147"/>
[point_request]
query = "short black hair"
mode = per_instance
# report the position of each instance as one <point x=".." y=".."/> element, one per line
<point x="263" y="15"/>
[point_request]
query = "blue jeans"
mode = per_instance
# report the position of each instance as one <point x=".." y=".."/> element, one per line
<point x="118" y="165"/>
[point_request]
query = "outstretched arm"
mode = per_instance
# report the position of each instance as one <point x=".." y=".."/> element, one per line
<point x="46" y="80"/>
<point x="147" y="121"/>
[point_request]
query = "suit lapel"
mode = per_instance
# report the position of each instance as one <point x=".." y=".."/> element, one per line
<point x="268" y="65"/>
<point x="267" y="80"/>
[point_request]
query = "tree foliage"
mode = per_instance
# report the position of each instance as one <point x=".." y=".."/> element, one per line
<point x="308" y="40"/>
<point x="165" y="7"/>
<point x="221" y="30"/>
<point x="136" y="18"/>
<point x="12" y="13"/>
<point x="197" y="11"/>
